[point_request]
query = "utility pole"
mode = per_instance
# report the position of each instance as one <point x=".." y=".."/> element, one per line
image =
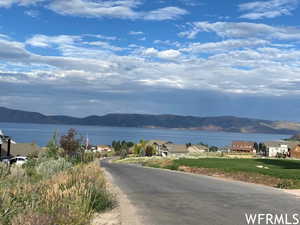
<point x="8" y="147"/>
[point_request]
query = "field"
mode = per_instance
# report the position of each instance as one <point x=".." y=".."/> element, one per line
<point x="272" y="172"/>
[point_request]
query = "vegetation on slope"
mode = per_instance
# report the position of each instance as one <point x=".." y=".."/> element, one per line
<point x="57" y="187"/>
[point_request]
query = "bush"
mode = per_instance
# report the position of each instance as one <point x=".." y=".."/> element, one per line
<point x="142" y="152"/>
<point x="4" y="170"/>
<point x="150" y="151"/>
<point x="286" y="184"/>
<point x="123" y="154"/>
<point x="51" y="167"/>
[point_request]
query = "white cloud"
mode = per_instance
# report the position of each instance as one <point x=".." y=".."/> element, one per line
<point x="32" y="13"/>
<point x="103" y="37"/>
<point x="105" y="45"/>
<point x="167" y="13"/>
<point x="223" y="46"/>
<point x="236" y="66"/>
<point x="268" y="9"/>
<point x="9" y="3"/>
<point x="125" y="9"/>
<point x="243" y="30"/>
<point x="48" y="41"/>
<point x="167" y="54"/>
<point x="136" y="33"/>
<point x="88" y="8"/>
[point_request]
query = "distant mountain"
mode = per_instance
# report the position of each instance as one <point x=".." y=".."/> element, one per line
<point x="222" y="123"/>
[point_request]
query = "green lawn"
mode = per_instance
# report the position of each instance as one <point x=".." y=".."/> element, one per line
<point x="273" y="172"/>
<point x="285" y="169"/>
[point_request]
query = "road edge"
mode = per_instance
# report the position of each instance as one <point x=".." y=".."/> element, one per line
<point x="128" y="213"/>
<point x="294" y="192"/>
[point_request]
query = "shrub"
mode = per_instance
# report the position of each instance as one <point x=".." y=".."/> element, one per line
<point x="88" y="157"/>
<point x="4" y="170"/>
<point x="142" y="152"/>
<point x="123" y="154"/>
<point x="50" y="167"/>
<point x="150" y="151"/>
<point x="286" y="184"/>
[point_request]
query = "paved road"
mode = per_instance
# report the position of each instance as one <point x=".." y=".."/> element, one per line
<point x="168" y="198"/>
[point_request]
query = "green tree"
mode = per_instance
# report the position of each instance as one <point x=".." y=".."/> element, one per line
<point x="256" y="146"/>
<point x="150" y="151"/>
<point x="52" y="146"/>
<point x="137" y="148"/>
<point x="213" y="148"/>
<point x="70" y="143"/>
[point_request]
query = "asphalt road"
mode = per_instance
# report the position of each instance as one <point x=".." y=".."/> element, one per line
<point x="164" y="197"/>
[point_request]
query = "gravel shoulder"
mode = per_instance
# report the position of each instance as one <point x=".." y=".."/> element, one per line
<point x="123" y="214"/>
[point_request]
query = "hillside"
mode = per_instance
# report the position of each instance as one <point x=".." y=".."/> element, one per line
<point x="222" y="123"/>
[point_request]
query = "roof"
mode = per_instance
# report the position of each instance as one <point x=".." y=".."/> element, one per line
<point x="275" y="143"/>
<point x="103" y="146"/>
<point x="159" y="142"/>
<point x="23" y="149"/>
<point x="243" y="142"/>
<point x="201" y="147"/>
<point x="176" y="148"/>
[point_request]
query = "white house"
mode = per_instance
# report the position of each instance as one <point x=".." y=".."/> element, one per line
<point x="275" y="148"/>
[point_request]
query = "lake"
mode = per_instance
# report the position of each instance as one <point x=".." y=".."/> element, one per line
<point x="41" y="134"/>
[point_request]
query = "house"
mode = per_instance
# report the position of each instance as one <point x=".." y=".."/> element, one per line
<point x="225" y="149"/>
<point x="171" y="149"/>
<point x="295" y="152"/>
<point x="159" y="146"/>
<point x="243" y="147"/>
<point x="21" y="149"/>
<point x="103" y="148"/>
<point x="197" y="149"/>
<point x="274" y="149"/>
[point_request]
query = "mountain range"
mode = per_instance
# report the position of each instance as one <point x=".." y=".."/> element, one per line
<point x="221" y="123"/>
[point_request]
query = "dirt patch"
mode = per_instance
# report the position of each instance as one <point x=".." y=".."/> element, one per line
<point x="294" y="192"/>
<point x="108" y="218"/>
<point x="240" y="176"/>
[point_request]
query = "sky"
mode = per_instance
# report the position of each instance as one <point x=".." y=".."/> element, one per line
<point x="186" y="57"/>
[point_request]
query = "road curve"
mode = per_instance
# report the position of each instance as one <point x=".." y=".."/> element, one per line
<point x="164" y="197"/>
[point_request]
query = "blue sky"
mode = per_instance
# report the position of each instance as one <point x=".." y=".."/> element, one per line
<point x="189" y="57"/>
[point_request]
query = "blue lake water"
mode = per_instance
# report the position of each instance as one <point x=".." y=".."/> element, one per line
<point x="41" y="134"/>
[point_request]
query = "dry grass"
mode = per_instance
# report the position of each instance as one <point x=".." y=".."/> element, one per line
<point x="69" y="197"/>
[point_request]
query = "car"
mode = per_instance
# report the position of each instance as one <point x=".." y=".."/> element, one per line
<point x="18" y="160"/>
<point x="5" y="160"/>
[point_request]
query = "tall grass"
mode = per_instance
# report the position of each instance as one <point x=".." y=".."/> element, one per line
<point x="70" y="196"/>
